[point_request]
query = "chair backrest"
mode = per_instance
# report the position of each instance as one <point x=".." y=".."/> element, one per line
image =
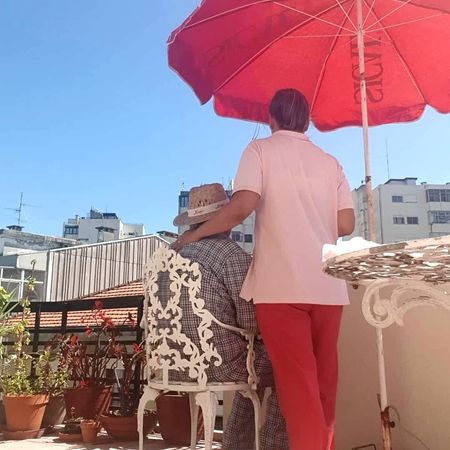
<point x="169" y="278"/>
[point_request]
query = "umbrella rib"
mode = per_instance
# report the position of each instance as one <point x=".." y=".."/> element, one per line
<point x="317" y="16"/>
<point x="379" y="20"/>
<point x="319" y="36"/>
<point x="407" y="22"/>
<point x="368" y="13"/>
<point x="408" y="70"/>
<point x="322" y="70"/>
<point x="243" y="66"/>
<point x="346" y="13"/>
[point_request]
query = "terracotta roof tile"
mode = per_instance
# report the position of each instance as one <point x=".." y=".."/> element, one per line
<point x="75" y="318"/>
<point x="133" y="289"/>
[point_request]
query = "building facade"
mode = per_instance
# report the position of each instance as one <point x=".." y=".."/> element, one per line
<point x="243" y="234"/>
<point x="24" y="254"/>
<point x="99" y="227"/>
<point x="405" y="210"/>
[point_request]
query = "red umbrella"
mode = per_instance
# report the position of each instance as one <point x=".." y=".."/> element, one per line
<point x="241" y="51"/>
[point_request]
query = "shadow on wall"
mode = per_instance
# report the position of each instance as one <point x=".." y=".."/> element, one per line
<point x="418" y="374"/>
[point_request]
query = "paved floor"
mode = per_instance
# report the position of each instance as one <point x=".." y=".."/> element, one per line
<point x="104" y="443"/>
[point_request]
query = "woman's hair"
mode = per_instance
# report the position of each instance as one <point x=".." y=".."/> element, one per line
<point x="290" y="109"/>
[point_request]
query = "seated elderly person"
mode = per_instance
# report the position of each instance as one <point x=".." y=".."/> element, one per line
<point x="224" y="266"/>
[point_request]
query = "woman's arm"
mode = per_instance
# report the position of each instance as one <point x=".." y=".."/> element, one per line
<point x="346" y="222"/>
<point x="242" y="204"/>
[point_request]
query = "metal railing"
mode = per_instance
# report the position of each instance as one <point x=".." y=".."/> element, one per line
<point x="77" y="272"/>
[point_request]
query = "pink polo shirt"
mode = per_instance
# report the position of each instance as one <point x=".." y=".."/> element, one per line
<point x="301" y="188"/>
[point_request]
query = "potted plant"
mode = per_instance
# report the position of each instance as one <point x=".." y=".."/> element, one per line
<point x="6" y="307"/>
<point x="72" y="428"/>
<point x="54" y="369"/>
<point x="174" y="418"/>
<point x="122" y="423"/>
<point x="87" y="363"/>
<point x="89" y="430"/>
<point x="24" y="396"/>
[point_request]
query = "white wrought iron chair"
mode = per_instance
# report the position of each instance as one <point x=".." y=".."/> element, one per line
<point x="168" y="349"/>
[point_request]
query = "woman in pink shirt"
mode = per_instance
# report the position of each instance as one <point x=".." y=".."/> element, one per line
<point x="302" y="201"/>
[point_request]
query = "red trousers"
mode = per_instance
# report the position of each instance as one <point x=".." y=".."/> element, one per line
<point x="301" y="341"/>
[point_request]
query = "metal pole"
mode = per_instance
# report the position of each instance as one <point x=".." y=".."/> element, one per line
<point x="384" y="406"/>
<point x="365" y="122"/>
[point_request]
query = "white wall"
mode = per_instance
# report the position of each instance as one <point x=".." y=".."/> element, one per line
<point x="128" y="230"/>
<point x="418" y="371"/>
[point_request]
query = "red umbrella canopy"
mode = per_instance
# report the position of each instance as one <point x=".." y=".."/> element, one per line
<point x="241" y="51"/>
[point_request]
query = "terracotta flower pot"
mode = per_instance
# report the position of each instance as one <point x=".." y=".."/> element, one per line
<point x="89" y="431"/>
<point x="55" y="412"/>
<point x="174" y="417"/>
<point x="25" y="412"/>
<point x="125" y="428"/>
<point x="89" y="402"/>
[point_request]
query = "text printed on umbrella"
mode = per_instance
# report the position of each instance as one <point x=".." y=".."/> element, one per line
<point x="374" y="71"/>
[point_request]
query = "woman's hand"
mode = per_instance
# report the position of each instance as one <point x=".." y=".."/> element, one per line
<point x="186" y="238"/>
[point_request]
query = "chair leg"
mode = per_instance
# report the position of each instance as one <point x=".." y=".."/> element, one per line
<point x="208" y="403"/>
<point x="267" y="394"/>
<point x="257" y="409"/>
<point x="148" y="395"/>
<point x="194" y="420"/>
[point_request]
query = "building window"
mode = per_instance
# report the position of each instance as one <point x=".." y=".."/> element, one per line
<point x="397" y="199"/>
<point x="439" y="216"/>
<point x="410" y="198"/>
<point x="412" y="220"/>
<point x="399" y="220"/>
<point x="438" y="195"/>
<point x="71" y="230"/>
<point x="236" y="236"/>
<point x="248" y="238"/>
<point x="184" y="200"/>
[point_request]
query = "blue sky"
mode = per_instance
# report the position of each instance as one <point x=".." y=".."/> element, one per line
<point x="90" y="115"/>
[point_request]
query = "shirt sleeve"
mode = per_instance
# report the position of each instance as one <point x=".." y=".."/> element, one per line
<point x="235" y="271"/>
<point x="345" y="199"/>
<point x="249" y="174"/>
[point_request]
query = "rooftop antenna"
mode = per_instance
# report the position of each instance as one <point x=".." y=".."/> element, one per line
<point x="20" y="210"/>
<point x="387" y="159"/>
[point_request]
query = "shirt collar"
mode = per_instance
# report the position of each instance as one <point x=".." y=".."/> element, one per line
<point x="294" y="134"/>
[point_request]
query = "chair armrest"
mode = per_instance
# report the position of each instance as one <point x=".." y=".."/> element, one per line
<point x="250" y="337"/>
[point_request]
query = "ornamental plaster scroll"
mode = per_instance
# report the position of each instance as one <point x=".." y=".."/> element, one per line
<point x="386" y="301"/>
<point x="163" y="344"/>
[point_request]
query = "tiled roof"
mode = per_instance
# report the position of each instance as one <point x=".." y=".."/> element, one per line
<point x="80" y="318"/>
<point x="133" y="289"/>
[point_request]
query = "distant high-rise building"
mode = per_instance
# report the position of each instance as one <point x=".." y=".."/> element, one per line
<point x="100" y="227"/>
<point x="243" y="234"/>
<point x="404" y="210"/>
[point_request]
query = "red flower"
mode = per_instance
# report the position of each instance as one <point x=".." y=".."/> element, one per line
<point x="108" y="323"/>
<point x="84" y="384"/>
<point x="98" y="305"/>
<point x="137" y="348"/>
<point x="88" y="331"/>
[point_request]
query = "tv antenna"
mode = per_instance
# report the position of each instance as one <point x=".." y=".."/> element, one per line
<point x="387" y="160"/>
<point x="20" y="210"/>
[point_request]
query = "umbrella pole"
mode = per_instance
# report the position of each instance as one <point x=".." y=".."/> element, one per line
<point x="384" y="406"/>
